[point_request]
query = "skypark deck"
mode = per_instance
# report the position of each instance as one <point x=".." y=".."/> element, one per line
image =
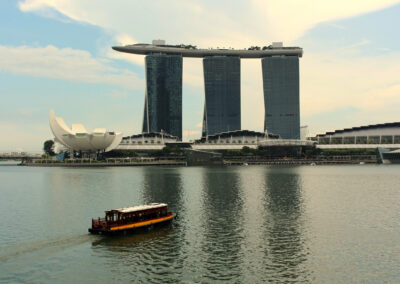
<point x="191" y="51"/>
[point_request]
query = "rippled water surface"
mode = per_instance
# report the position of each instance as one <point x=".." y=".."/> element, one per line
<point x="254" y="224"/>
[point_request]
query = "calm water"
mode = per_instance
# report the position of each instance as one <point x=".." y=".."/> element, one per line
<point x="254" y="224"/>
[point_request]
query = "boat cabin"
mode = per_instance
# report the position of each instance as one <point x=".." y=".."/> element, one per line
<point x="136" y="213"/>
<point x="116" y="218"/>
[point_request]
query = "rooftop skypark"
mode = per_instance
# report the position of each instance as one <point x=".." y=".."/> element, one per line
<point x="183" y="50"/>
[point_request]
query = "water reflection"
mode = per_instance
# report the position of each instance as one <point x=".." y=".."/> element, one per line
<point x="252" y="224"/>
<point x="285" y="251"/>
<point x="163" y="185"/>
<point x="222" y="221"/>
<point x="144" y="239"/>
<point x="249" y="227"/>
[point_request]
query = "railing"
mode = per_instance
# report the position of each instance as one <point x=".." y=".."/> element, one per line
<point x="109" y="161"/>
<point x="100" y="222"/>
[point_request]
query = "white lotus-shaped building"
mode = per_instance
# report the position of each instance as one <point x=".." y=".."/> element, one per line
<point x="78" y="139"/>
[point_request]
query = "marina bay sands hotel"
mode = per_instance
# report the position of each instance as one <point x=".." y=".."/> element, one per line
<point x="222" y="113"/>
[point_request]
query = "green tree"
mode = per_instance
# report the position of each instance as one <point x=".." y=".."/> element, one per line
<point x="247" y="150"/>
<point x="48" y="147"/>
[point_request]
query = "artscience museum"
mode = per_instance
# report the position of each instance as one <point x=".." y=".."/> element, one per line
<point x="77" y="138"/>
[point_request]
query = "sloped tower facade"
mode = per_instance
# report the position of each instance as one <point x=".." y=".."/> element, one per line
<point x="163" y="98"/>
<point x="281" y="96"/>
<point x="222" y="94"/>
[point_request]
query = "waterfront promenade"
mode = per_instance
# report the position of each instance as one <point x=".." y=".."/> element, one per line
<point x="181" y="161"/>
<point x="123" y="162"/>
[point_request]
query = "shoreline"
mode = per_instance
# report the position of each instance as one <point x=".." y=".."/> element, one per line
<point x="183" y="163"/>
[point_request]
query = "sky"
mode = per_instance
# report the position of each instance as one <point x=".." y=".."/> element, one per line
<point x="56" y="54"/>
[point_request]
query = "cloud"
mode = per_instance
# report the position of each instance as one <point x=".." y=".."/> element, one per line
<point x="65" y="63"/>
<point x="252" y="95"/>
<point x="209" y="23"/>
<point x="193" y="72"/>
<point x="28" y="112"/>
<point x="190" y="134"/>
<point x="124" y="39"/>
<point x="200" y="124"/>
<point x="288" y="20"/>
<point x="331" y="82"/>
<point x="23" y="135"/>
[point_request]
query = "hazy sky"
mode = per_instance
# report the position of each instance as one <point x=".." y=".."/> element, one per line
<point x="57" y="54"/>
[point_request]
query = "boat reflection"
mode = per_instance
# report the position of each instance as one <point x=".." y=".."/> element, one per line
<point x="144" y="238"/>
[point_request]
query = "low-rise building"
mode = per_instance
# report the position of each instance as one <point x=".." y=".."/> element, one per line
<point x="385" y="135"/>
<point x="146" y="141"/>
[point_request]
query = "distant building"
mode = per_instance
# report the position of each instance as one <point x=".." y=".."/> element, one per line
<point x="277" y="44"/>
<point x="281" y="95"/>
<point x="230" y="140"/>
<point x="233" y="140"/>
<point x="303" y="132"/>
<point x="222" y="94"/>
<point x="386" y="135"/>
<point x="146" y="141"/>
<point x="236" y="140"/>
<point x="77" y="138"/>
<point x="158" y="42"/>
<point x="163" y="99"/>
